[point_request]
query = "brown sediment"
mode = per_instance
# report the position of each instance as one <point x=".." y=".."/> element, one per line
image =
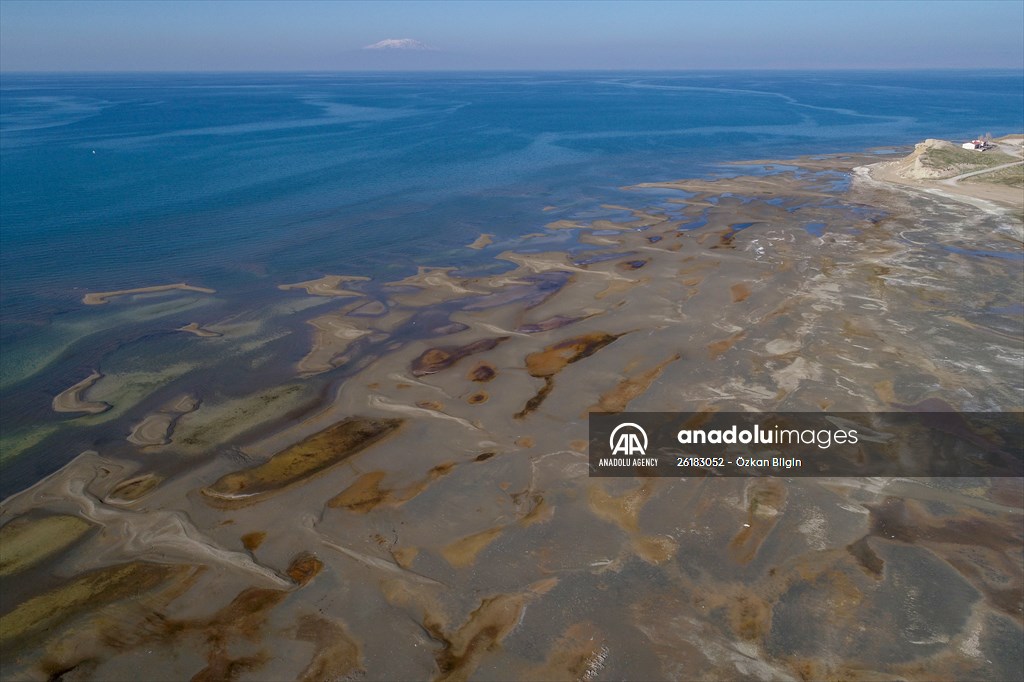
<point x="535" y="402"/>
<point x="463" y="552"/>
<point x="483" y="240"/>
<point x="252" y="541"/>
<point x="28" y="540"/>
<point x="337" y="655"/>
<point x="866" y="557"/>
<point x="434" y="360"/>
<point x="100" y="298"/>
<point x="404" y="556"/>
<point x="717" y="348"/>
<point x="740" y="291"/>
<point x="304" y="567"/>
<point x="243" y="619"/>
<point x="363" y="495"/>
<point x="655" y="550"/>
<point x="83" y="593"/>
<point x="749" y="616"/>
<point x="483" y="372"/>
<point x="133" y="489"/>
<point x="366" y="493"/>
<point x="483" y="632"/>
<point x="554" y="358"/>
<point x="484" y="456"/>
<point x="545" y="364"/>
<point x="540" y="512"/>
<point x="72" y="400"/>
<point x="630" y="388"/>
<point x="623" y="511"/>
<point x="578" y="654"/>
<point x="430" y="405"/>
<point x="478" y="398"/>
<point x="301" y="461"/>
<point x="195" y="328"/>
<point x="328" y="285"/>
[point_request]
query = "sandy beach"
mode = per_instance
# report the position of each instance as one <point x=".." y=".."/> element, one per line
<point x="432" y="517"/>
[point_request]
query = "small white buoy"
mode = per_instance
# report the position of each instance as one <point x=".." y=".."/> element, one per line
<point x="93" y="151"/>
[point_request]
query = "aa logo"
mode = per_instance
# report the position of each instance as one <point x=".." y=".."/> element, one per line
<point x="628" y="439"/>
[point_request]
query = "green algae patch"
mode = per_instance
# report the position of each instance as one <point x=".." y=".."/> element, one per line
<point x="26" y="541"/>
<point x="86" y="592"/>
<point x="298" y="462"/>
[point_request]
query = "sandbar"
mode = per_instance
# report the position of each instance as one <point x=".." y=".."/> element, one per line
<point x="328" y="285"/>
<point x="72" y="399"/>
<point x="100" y="298"/>
<point x="483" y="240"/>
<point x="195" y="328"/>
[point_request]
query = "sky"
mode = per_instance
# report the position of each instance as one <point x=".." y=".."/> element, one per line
<point x="267" y="35"/>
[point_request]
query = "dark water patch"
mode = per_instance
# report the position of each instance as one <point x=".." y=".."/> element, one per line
<point x="1005" y="255"/>
<point x="601" y="258"/>
<point x="534" y="290"/>
<point x="483" y="373"/>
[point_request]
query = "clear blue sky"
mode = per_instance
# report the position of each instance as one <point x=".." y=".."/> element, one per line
<point x="186" y="35"/>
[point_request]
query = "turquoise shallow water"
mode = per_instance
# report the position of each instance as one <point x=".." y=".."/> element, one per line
<point x="241" y="182"/>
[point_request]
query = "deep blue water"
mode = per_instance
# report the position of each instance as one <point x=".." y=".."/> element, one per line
<point x="112" y="181"/>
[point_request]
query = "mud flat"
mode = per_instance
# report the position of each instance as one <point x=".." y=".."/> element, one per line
<point x="100" y="298"/>
<point x="432" y="516"/>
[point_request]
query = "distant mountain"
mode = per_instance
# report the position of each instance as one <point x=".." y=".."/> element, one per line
<point x="399" y="44"/>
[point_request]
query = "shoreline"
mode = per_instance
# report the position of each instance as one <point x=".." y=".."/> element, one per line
<point x="446" y="469"/>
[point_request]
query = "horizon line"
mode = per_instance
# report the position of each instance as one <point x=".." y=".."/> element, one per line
<point x="508" y="70"/>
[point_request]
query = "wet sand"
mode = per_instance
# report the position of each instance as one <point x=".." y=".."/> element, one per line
<point x="431" y="517"/>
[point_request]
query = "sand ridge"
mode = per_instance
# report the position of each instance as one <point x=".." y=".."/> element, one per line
<point x="103" y="297"/>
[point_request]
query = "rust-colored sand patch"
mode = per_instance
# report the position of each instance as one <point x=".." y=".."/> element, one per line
<point x="337" y="655"/>
<point x="304" y="567"/>
<point x="252" y="541"/>
<point x="740" y="291"/>
<point x="463" y="551"/>
<point x="630" y="388"/>
<point x="303" y="460"/>
<point x="717" y="348"/>
<point x="436" y="359"/>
